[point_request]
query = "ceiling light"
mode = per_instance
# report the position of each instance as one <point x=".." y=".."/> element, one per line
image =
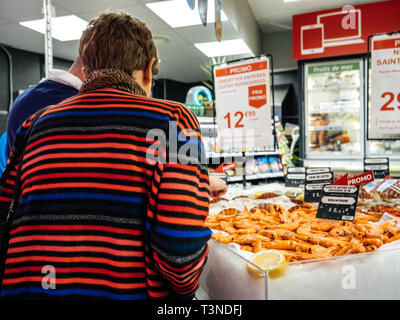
<point x="291" y="0"/>
<point x="177" y="13"/>
<point x="64" y="28"/>
<point x="223" y="48"/>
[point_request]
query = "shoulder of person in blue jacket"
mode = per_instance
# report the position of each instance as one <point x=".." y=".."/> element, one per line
<point x="60" y="85"/>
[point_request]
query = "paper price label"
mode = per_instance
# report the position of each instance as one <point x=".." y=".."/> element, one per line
<point x="317" y="170"/>
<point x="318" y="177"/>
<point x="296" y="170"/>
<point x="384" y="119"/>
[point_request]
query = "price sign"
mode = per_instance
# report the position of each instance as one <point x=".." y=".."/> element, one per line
<point x="385" y="91"/>
<point x="338" y="202"/>
<point x="243" y="105"/>
<point x="379" y="166"/>
<point x="295" y="177"/>
<point x="315" y="180"/>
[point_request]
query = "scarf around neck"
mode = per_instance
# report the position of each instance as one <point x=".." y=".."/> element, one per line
<point x="112" y="78"/>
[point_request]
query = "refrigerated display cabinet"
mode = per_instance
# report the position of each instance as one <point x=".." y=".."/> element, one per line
<point x="333" y="113"/>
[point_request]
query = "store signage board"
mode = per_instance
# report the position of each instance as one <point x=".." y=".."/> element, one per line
<point x="243" y="105"/>
<point x="380" y="166"/>
<point x="316" y="179"/>
<point x="338" y="202"/>
<point x="384" y="112"/>
<point x="342" y="31"/>
<point x="295" y="177"/>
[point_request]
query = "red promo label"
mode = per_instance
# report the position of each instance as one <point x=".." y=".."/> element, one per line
<point x="223" y="168"/>
<point x="361" y="179"/>
<point x="342" y="181"/>
<point x="258" y="96"/>
<point x="342" y="31"/>
<point x="387" y="44"/>
<point x="244" y="68"/>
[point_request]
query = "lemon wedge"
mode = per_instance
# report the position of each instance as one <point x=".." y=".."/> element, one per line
<point x="265" y="258"/>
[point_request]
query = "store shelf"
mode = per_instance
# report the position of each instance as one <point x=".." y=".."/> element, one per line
<point x="334" y="88"/>
<point x="256" y="176"/>
<point x="205" y="119"/>
<point x="326" y="128"/>
<point x="239" y="154"/>
<point x="336" y="107"/>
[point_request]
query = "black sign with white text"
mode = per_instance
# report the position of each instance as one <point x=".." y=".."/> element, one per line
<point x="380" y="166"/>
<point x="338" y="202"/>
<point x="295" y="177"/>
<point x="316" y="178"/>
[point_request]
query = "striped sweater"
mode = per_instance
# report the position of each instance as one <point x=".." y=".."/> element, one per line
<point x="99" y="217"/>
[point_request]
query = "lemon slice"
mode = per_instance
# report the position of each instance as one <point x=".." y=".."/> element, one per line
<point x="265" y="258"/>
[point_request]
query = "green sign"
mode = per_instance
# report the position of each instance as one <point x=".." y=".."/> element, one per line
<point x="328" y="68"/>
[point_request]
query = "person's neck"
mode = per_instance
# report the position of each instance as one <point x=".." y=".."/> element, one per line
<point x="112" y="78"/>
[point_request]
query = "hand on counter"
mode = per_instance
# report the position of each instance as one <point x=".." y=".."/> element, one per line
<point x="218" y="187"/>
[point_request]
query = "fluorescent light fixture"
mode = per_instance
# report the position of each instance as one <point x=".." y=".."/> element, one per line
<point x="291" y="0"/>
<point x="64" y="28"/>
<point x="177" y="13"/>
<point x="223" y="48"/>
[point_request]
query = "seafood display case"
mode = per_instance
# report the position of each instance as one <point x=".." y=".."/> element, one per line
<point x="372" y="275"/>
<point x="333" y="113"/>
<point x="316" y="271"/>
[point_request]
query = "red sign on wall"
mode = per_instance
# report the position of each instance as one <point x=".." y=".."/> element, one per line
<point x="342" y="31"/>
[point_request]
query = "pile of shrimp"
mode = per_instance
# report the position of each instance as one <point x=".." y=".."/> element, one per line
<point x="298" y="234"/>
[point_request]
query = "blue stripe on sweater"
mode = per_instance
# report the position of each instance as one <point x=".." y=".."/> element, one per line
<point x="101" y="196"/>
<point x="103" y="113"/>
<point x="66" y="292"/>
<point x="181" y="233"/>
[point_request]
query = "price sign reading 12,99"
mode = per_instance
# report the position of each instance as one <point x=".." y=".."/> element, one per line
<point x="243" y="104"/>
<point x="385" y="92"/>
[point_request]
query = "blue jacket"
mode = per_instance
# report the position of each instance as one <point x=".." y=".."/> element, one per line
<point x="44" y="94"/>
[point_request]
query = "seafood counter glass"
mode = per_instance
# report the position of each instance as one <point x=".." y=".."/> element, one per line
<point x="324" y="259"/>
<point x="373" y="275"/>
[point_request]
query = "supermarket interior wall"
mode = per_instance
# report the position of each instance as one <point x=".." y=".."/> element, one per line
<point x="28" y="69"/>
<point x="280" y="45"/>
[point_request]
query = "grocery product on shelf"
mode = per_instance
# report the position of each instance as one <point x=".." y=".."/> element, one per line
<point x="283" y="144"/>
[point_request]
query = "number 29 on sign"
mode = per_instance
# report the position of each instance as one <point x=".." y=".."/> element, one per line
<point x="389" y="99"/>
<point x="238" y="116"/>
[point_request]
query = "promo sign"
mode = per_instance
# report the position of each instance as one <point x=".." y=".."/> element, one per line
<point x="384" y="114"/>
<point x="295" y="177"/>
<point x="338" y="202"/>
<point x="359" y="180"/>
<point x="380" y="166"/>
<point x="316" y="179"/>
<point x="243" y="105"/>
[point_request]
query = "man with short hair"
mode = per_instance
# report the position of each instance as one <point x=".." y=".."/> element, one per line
<point x="58" y="86"/>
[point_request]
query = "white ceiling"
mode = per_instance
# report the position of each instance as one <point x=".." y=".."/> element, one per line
<point x="180" y="59"/>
